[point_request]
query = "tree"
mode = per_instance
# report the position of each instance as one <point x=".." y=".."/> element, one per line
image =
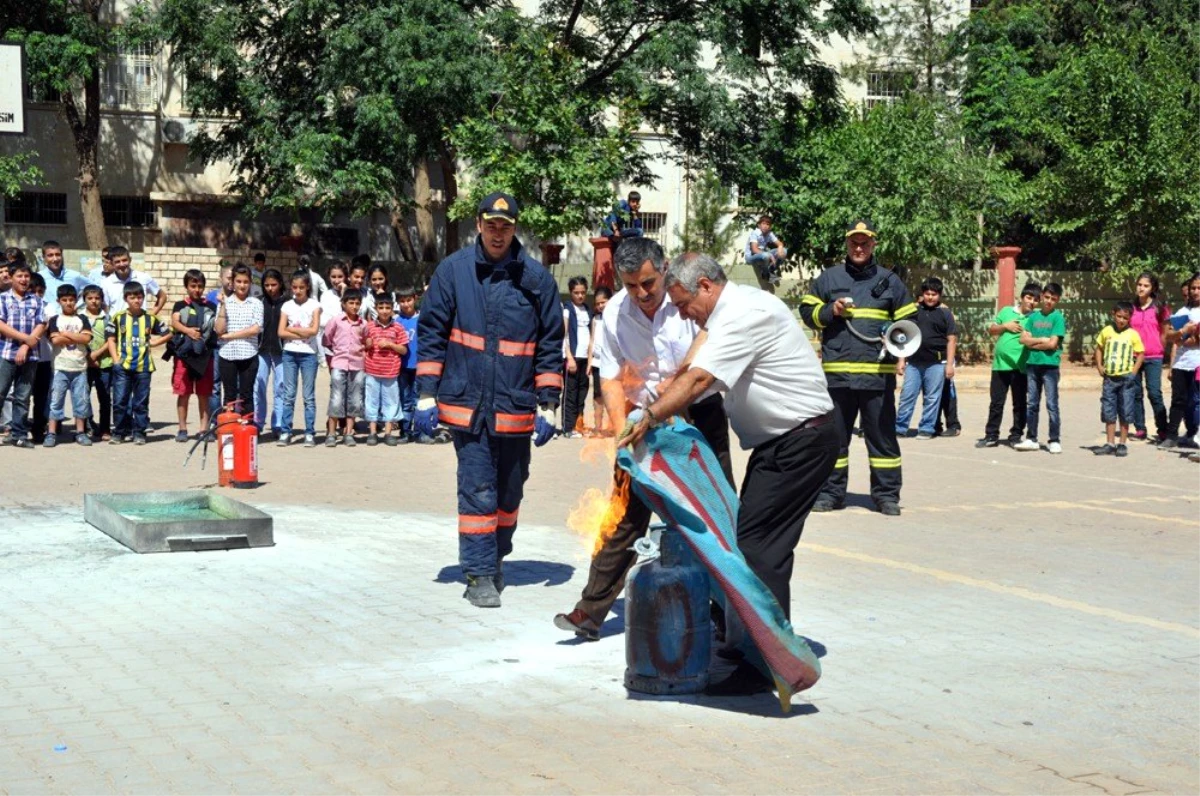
<point x="558" y="151"/>
<point x="17" y="171"/>
<point x="708" y="228"/>
<point x="333" y="104"/>
<point x="65" y="44"/>
<point x="904" y="166"/>
<point x="1095" y="104"/>
<point x="916" y="38"/>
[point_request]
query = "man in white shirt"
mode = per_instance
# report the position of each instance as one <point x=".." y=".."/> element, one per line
<point x="114" y="284"/>
<point x="642" y="342"/>
<point x="778" y="403"/>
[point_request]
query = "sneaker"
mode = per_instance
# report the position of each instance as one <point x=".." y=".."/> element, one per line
<point x="889" y="509"/>
<point x="950" y="432"/>
<point x="181" y="436"/>
<point x="1122" y="451"/>
<point x="573" y="435"/>
<point x="1106" y="450"/>
<point x="442" y="437"/>
<point x="372" y="439"/>
<point x="828" y="504"/>
<point x="139" y="439"/>
<point x="1139" y="434"/>
<point x="1187" y="443"/>
<point x="1027" y="445"/>
<point x="404" y="439"/>
<point x="1169" y="443"/>
<point x="1054" y="447"/>
<point x="389" y="440"/>
<point x="987" y="442"/>
<point x="21" y="442"/>
<point x="83" y="439"/>
<point x="424" y="440"/>
<point x="331" y="440"/>
<point x="349" y="440"/>
<point x="6" y="440"/>
<point x="310" y="440"/>
<point x="50" y="441"/>
<point x="481" y="592"/>
<point x="924" y="435"/>
<point x="116" y="439"/>
<point x="284" y="440"/>
<point x="579" y="623"/>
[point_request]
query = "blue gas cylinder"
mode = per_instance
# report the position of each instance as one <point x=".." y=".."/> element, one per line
<point x="668" y="637"/>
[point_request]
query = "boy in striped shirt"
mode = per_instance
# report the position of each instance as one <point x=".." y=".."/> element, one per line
<point x="387" y="343"/>
<point x="132" y="335"/>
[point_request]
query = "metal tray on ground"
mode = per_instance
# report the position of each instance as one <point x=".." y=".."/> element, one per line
<point x="168" y="522"/>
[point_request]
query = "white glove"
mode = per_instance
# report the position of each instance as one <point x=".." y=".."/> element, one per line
<point x="548" y="414"/>
<point x="426" y="402"/>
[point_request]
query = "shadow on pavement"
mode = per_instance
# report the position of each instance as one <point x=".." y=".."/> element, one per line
<point x="518" y="573"/>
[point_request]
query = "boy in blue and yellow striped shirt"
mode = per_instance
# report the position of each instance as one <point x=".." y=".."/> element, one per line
<point x="1119" y="355"/>
<point x="131" y="335"/>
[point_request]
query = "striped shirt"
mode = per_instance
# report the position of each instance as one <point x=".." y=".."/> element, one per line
<point x="1118" y="349"/>
<point x="133" y="339"/>
<point x="384" y="361"/>
<point x="241" y="315"/>
<point x="22" y="313"/>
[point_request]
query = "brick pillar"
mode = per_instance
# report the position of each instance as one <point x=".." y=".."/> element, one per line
<point x="603" y="272"/>
<point x="1006" y="275"/>
<point x="551" y="253"/>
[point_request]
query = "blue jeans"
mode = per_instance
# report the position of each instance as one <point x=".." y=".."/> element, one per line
<point x="1151" y="376"/>
<point x="1042" y="377"/>
<point x="295" y="366"/>
<point x="214" y="403"/>
<point x="131" y="401"/>
<point x="382" y="399"/>
<point x="408" y="393"/>
<point x="766" y="263"/>
<point x="270" y="371"/>
<point x="73" y="383"/>
<point x="927" y="377"/>
<point x="17" y="379"/>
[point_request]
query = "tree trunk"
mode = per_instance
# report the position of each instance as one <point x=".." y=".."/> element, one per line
<point x="450" y="180"/>
<point x="85" y="130"/>
<point x="400" y="228"/>
<point x="978" y="265"/>
<point x="422" y="197"/>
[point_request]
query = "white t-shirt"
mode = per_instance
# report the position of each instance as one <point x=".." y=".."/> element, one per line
<point x="653" y="348"/>
<point x="300" y="316"/>
<point x="70" y="358"/>
<point x="583" y="330"/>
<point x="764" y="363"/>
<point x="1189" y="356"/>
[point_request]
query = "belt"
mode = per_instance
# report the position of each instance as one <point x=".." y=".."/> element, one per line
<point x="815" y="422"/>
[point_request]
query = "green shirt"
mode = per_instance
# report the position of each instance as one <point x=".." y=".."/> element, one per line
<point x="98" y="323"/>
<point x="1009" y="353"/>
<point x="1040" y="324"/>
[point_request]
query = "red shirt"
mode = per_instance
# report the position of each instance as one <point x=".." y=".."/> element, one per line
<point x="383" y="361"/>
<point x="1148" y="324"/>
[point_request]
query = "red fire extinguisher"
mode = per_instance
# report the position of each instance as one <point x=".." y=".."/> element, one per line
<point x="245" y="455"/>
<point x="227" y="422"/>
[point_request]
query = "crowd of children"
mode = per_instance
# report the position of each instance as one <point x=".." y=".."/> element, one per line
<point x="258" y="341"/>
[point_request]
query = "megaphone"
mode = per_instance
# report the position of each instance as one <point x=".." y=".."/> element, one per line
<point x="902" y="339"/>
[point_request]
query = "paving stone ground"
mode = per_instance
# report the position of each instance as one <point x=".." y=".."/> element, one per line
<point x="1031" y="624"/>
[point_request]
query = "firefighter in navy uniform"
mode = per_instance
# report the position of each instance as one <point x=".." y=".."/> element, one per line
<point x="490" y="339"/>
<point x="862" y="385"/>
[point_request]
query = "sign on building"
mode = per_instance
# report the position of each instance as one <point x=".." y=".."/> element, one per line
<point x="12" y="89"/>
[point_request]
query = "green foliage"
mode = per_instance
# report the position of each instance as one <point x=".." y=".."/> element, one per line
<point x="902" y="165"/>
<point x="708" y="228"/>
<point x="327" y="103"/>
<point x="557" y="150"/>
<point x="63" y="42"/>
<point x="1096" y="105"/>
<point x="918" y="38"/>
<point x="17" y="171"/>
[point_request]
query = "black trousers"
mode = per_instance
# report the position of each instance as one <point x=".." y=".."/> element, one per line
<point x="606" y="575"/>
<point x="1004" y="382"/>
<point x="948" y="409"/>
<point x="575" y="390"/>
<point x="783" y="479"/>
<point x="877" y="408"/>
<point x="1183" y="386"/>
<point x="101" y="381"/>
<point x="237" y="381"/>
<point x="42" y="377"/>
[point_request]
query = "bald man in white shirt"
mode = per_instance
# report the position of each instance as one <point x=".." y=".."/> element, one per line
<point x="757" y="355"/>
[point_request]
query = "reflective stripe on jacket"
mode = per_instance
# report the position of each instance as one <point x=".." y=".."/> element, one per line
<point x="880" y="297"/>
<point x="490" y="340"/>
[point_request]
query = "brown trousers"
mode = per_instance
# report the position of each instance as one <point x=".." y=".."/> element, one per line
<point x="606" y="576"/>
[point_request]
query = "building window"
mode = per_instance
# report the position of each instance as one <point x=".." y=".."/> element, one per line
<point x="128" y="211"/>
<point x="885" y="86"/>
<point x="36" y="93"/>
<point x="130" y="80"/>
<point x="29" y="207"/>
<point x="653" y="225"/>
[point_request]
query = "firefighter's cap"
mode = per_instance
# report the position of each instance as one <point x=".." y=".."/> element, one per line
<point x="499" y="205"/>
<point x="861" y="227"/>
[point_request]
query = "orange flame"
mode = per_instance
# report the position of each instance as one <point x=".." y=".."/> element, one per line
<point x="596" y="515"/>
